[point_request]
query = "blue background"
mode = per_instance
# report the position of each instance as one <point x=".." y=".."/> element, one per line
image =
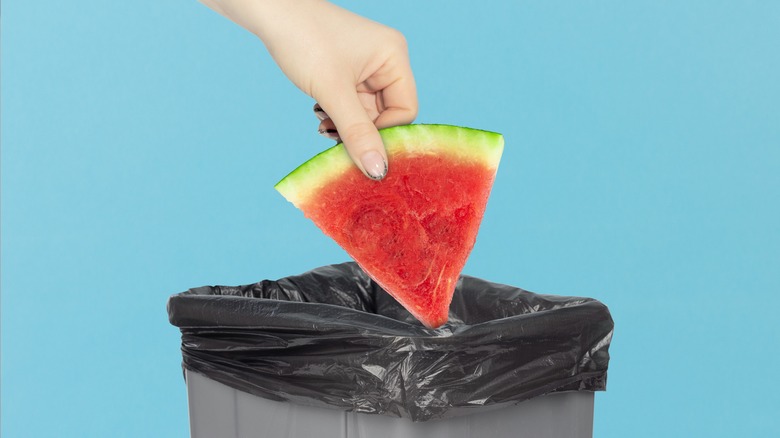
<point x="141" y="141"/>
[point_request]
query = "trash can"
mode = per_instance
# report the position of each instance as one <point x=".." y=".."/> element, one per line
<point x="330" y="353"/>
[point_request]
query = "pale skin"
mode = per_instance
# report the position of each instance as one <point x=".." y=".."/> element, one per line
<point x="357" y="70"/>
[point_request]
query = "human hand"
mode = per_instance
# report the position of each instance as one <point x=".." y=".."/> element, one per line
<point x="356" y="69"/>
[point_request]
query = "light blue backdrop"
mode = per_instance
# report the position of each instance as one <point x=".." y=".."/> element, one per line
<point x="141" y="141"/>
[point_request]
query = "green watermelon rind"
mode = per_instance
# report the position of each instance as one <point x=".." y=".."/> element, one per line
<point x="461" y="142"/>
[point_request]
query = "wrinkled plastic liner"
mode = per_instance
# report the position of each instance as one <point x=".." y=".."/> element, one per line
<point x="333" y="338"/>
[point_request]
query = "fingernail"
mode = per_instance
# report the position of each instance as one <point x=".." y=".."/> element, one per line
<point x="375" y="165"/>
<point x="330" y="133"/>
<point x="319" y="112"/>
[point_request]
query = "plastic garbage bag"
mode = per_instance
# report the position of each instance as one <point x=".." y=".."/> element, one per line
<point x="333" y="338"/>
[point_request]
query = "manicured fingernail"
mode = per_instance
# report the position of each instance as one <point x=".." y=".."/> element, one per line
<point x="330" y="133"/>
<point x="375" y="165"/>
<point x="319" y="112"/>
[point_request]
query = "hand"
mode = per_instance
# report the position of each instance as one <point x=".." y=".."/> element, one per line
<point x="356" y="69"/>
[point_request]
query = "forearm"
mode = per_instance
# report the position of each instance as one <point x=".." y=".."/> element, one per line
<point x="266" y="18"/>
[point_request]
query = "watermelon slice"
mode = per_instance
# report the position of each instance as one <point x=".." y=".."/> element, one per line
<point x="412" y="231"/>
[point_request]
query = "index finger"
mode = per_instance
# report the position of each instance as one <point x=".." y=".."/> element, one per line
<point x="398" y="92"/>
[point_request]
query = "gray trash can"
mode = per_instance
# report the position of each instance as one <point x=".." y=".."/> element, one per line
<point x="217" y="410"/>
<point x="329" y="354"/>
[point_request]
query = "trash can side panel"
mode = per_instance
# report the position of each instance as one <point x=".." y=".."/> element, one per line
<point x="258" y="417"/>
<point x="216" y="410"/>
<point x="212" y="407"/>
<point x="549" y="416"/>
<point x="568" y="414"/>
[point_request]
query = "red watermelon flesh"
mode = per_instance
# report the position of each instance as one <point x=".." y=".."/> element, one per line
<point x="413" y="231"/>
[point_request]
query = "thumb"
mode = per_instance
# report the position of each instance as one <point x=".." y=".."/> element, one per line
<point x="358" y="133"/>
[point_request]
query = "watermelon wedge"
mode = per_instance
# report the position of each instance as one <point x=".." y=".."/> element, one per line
<point x="412" y="231"/>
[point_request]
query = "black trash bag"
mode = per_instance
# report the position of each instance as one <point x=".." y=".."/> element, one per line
<point x="333" y="338"/>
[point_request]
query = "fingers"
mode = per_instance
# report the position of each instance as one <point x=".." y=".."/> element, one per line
<point x="319" y="112"/>
<point x="357" y="131"/>
<point x="395" y="116"/>
<point x="327" y="128"/>
<point x="399" y="100"/>
<point x="344" y="114"/>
